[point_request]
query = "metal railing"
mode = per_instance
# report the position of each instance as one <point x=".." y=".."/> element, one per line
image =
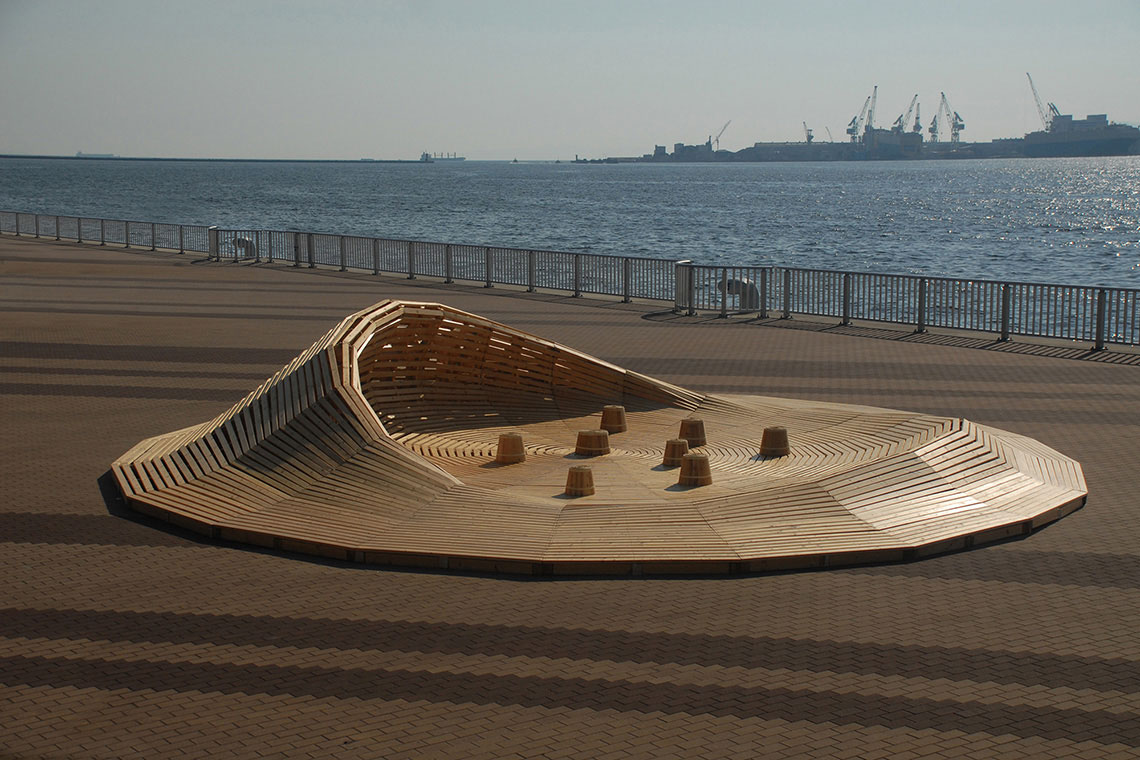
<point x="1097" y="315"/>
<point x="1070" y="312"/>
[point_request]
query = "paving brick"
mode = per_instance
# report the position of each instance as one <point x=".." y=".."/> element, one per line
<point x="122" y="637"/>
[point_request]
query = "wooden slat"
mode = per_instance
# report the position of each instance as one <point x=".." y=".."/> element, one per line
<point x="380" y="438"/>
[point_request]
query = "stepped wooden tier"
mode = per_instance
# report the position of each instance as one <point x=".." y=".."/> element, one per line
<point x="378" y="445"/>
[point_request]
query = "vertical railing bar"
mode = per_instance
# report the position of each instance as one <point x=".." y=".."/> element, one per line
<point x="487" y="266"/>
<point x="1101" y="299"/>
<point x="846" y="298"/>
<point x="921" y="326"/>
<point x="787" y="294"/>
<point x="723" y="292"/>
<point x="692" y="288"/>
<point x="1005" y="300"/>
<point x="764" y="292"/>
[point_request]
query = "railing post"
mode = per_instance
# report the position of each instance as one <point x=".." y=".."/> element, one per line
<point x="846" y="298"/>
<point x="487" y="266"/>
<point x="723" y="292"/>
<point x="181" y="240"/>
<point x="375" y="256"/>
<point x="1005" y="301"/>
<point x="764" y="293"/>
<point x="342" y="249"/>
<point x="411" y="260"/>
<point x="127" y="234"/>
<point x="447" y="263"/>
<point x="153" y="242"/>
<point x="531" y="270"/>
<point x="102" y="232"/>
<point x="268" y="234"/>
<point x="296" y="249"/>
<point x="78" y="229"/>
<point x="1101" y="314"/>
<point x="212" y="238"/>
<point x="57" y="226"/>
<point x="577" y="275"/>
<point x="626" y="279"/>
<point x="787" y="294"/>
<point x="921" y="326"/>
<point x="679" y="285"/>
<point x="17" y="224"/>
<point x="36" y="219"/>
<point x="691" y="286"/>
<point x="309" y="250"/>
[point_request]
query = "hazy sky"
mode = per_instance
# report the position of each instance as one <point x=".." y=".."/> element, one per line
<point x="536" y="79"/>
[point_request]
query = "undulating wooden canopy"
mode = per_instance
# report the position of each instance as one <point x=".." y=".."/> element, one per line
<point x="378" y="443"/>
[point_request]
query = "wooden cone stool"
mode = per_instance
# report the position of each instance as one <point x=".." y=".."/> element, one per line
<point x="613" y="419"/>
<point x="675" y="448"/>
<point x="510" y="449"/>
<point x="580" y="481"/>
<point x="775" y="442"/>
<point x="693" y="431"/>
<point x="592" y="443"/>
<point x="695" y="470"/>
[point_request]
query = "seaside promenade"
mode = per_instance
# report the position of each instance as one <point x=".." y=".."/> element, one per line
<point x="123" y="638"/>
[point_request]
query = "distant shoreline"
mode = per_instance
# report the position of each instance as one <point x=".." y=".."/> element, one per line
<point x="225" y="160"/>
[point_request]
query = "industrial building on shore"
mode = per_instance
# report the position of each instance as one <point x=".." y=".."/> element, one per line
<point x="1062" y="135"/>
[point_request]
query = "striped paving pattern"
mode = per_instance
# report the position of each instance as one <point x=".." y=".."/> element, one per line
<point x="122" y="638"/>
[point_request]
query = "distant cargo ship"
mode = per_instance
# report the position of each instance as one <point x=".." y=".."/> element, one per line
<point x="1091" y="136"/>
<point x="440" y="158"/>
<point x="81" y="154"/>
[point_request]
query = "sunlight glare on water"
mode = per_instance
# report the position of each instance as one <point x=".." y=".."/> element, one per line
<point x="1073" y="221"/>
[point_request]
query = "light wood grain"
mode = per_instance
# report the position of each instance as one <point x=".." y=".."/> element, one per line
<point x="378" y="443"/>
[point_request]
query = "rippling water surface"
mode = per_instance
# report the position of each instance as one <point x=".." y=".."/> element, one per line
<point x="1047" y="220"/>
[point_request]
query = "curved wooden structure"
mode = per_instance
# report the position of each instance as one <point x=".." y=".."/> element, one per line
<point x="378" y="445"/>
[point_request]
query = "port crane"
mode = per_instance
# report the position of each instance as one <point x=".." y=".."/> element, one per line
<point x="917" y="128"/>
<point x="807" y="134"/>
<point x="902" y="121"/>
<point x="956" y="123"/>
<point x="716" y="140"/>
<point x="1046" y="119"/>
<point x="856" y="124"/>
<point x="943" y="115"/>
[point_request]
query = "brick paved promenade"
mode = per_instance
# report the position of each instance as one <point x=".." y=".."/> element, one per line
<point x="119" y="639"/>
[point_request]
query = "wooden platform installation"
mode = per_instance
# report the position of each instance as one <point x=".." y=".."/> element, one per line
<point x="377" y="445"/>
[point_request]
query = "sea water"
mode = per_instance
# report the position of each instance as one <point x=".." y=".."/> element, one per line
<point x="1070" y="221"/>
